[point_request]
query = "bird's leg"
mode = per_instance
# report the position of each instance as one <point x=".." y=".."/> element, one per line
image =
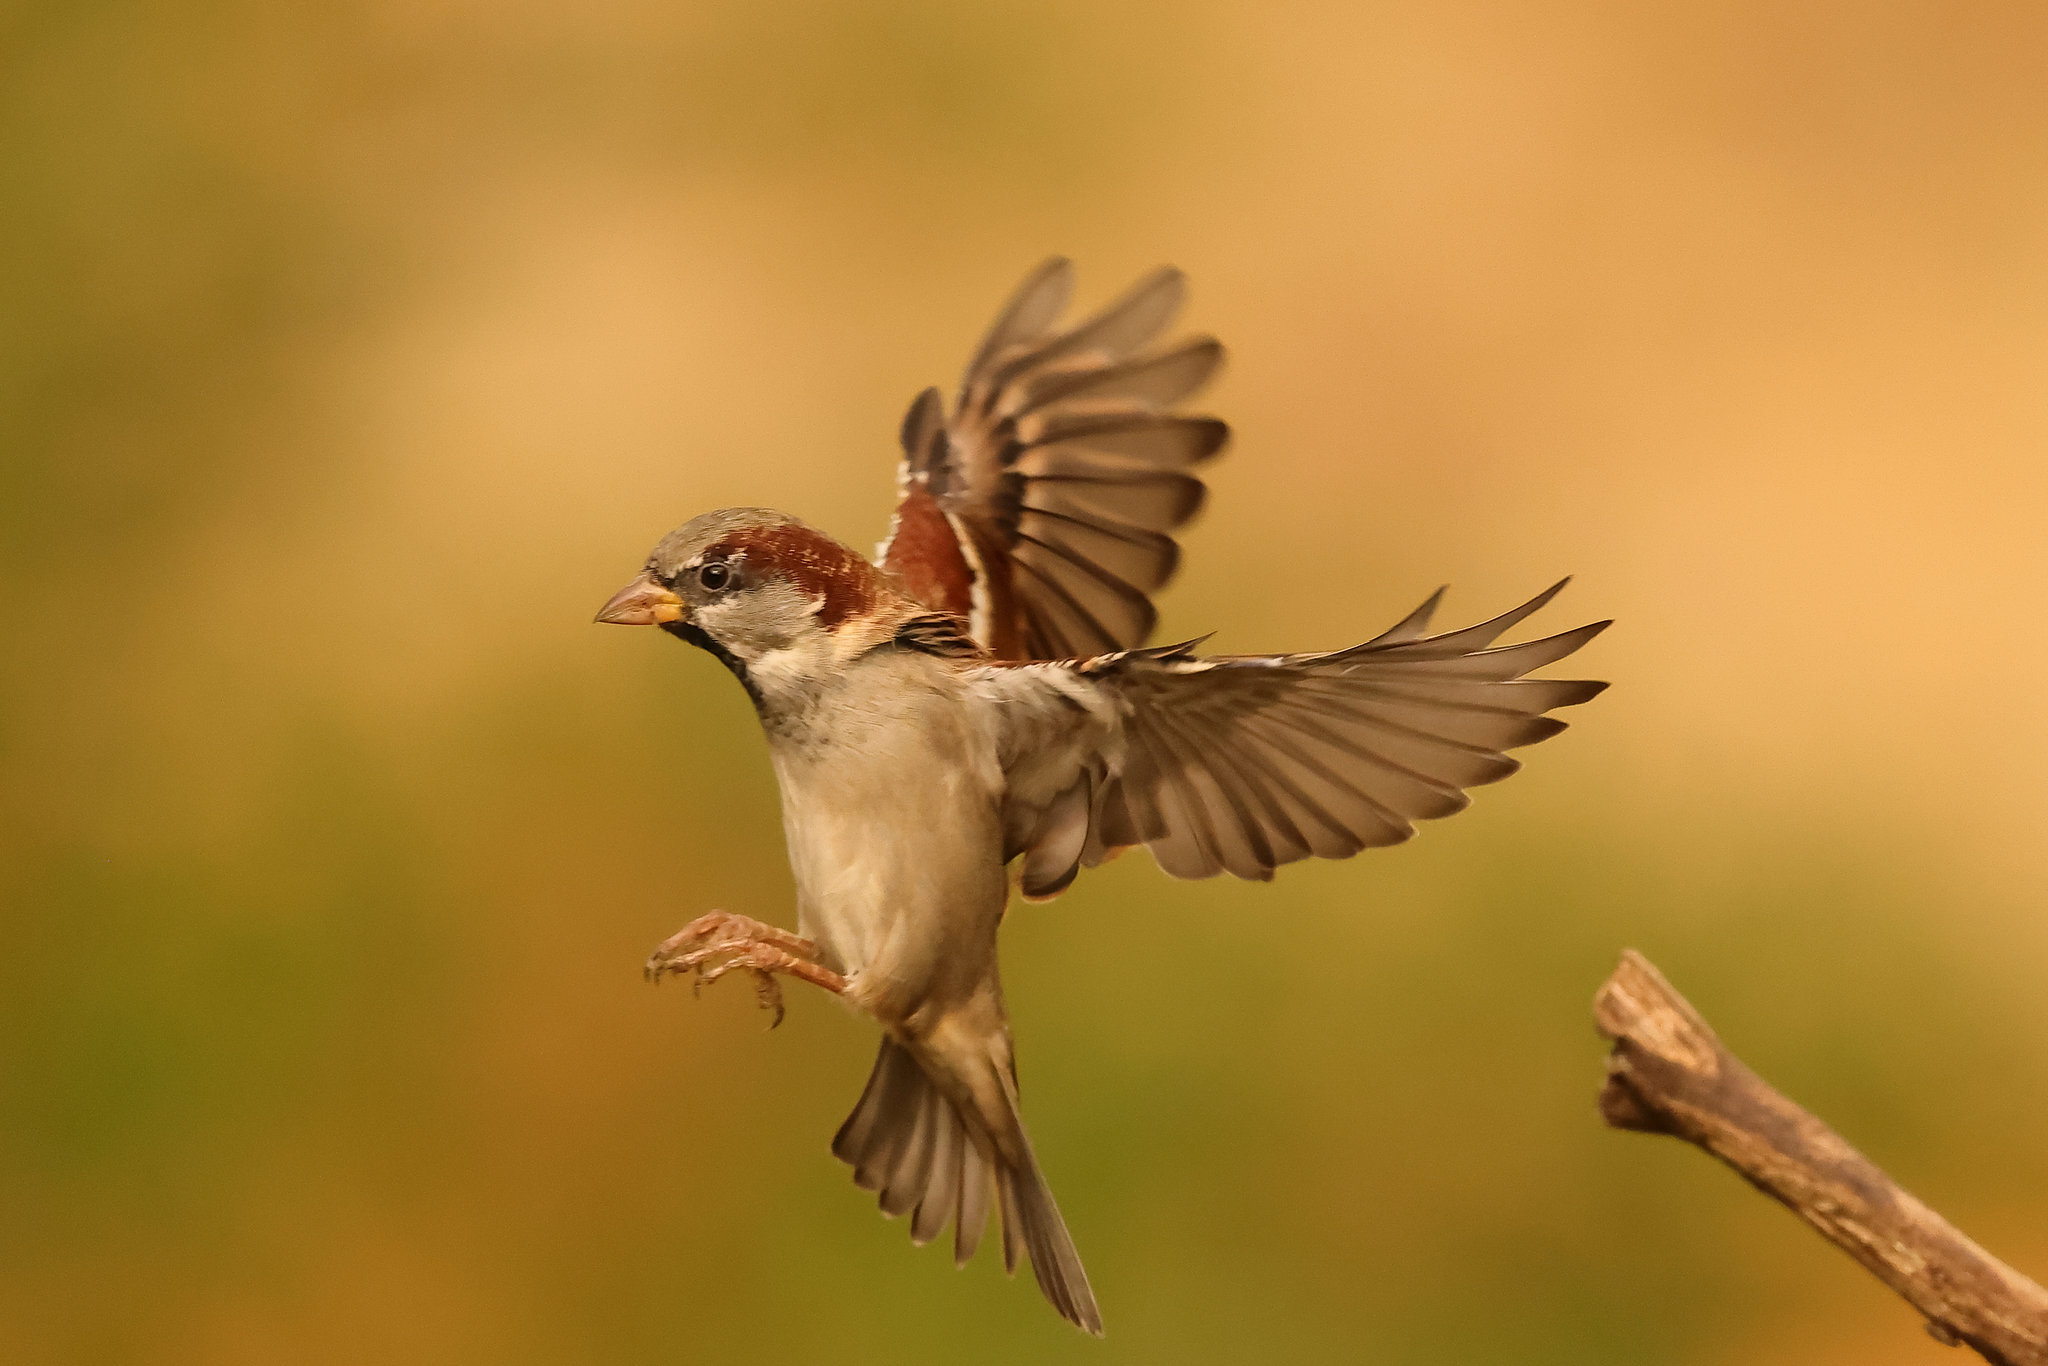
<point x="713" y="945"/>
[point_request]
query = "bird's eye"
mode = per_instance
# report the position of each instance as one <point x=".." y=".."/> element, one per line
<point x="714" y="576"/>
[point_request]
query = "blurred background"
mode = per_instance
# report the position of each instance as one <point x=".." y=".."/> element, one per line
<point x="352" y="354"/>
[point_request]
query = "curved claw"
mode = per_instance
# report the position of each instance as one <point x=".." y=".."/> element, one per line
<point x="768" y="992"/>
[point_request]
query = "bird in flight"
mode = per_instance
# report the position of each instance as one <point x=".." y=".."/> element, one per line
<point x="981" y="695"/>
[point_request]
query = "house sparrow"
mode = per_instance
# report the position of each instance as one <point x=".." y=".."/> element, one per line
<point x="979" y="696"/>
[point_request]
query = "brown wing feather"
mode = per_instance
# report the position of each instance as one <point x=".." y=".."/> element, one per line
<point x="1041" y="506"/>
<point x="1241" y="764"/>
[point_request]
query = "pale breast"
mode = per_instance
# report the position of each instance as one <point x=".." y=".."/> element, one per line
<point x="890" y="806"/>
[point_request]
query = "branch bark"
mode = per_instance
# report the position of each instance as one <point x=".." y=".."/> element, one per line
<point x="1669" y="1074"/>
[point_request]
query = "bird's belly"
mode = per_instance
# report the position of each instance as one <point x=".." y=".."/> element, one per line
<point x="904" y="894"/>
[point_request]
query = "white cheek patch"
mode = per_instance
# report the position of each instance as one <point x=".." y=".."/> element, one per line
<point x="756" y="622"/>
<point x="717" y="620"/>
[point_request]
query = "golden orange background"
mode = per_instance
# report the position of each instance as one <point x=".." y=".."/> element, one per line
<point x="351" y="354"/>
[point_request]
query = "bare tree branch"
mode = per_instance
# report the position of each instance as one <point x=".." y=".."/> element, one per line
<point x="1669" y="1074"/>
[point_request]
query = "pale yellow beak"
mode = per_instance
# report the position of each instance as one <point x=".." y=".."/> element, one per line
<point x="643" y="602"/>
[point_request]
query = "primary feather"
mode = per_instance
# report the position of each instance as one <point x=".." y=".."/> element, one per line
<point x="1244" y="763"/>
<point x="1040" y="507"/>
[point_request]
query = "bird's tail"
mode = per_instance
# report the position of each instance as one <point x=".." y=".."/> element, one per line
<point x="907" y="1139"/>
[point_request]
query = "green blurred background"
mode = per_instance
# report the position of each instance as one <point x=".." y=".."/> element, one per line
<point x="352" y="353"/>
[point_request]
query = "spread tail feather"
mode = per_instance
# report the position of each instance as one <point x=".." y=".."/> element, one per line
<point x="907" y="1141"/>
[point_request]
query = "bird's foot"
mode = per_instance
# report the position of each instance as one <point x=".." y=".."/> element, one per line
<point x="718" y="929"/>
<point x="713" y="945"/>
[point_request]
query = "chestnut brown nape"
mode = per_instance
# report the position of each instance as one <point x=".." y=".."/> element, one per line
<point x="810" y="561"/>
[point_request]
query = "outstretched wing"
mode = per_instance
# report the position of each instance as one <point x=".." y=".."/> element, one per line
<point x="1040" y="508"/>
<point x="1242" y="763"/>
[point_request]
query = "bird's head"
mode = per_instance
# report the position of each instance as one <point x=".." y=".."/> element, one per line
<point x="758" y="588"/>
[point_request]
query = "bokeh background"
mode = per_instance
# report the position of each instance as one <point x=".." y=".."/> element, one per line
<point x="352" y="353"/>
